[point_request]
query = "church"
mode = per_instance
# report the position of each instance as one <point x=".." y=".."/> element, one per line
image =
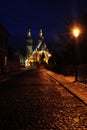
<point x="40" y="54"/>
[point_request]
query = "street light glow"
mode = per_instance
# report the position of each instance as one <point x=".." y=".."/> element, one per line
<point x="76" y="32"/>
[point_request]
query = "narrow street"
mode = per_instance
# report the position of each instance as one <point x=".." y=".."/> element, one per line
<point x="33" y="100"/>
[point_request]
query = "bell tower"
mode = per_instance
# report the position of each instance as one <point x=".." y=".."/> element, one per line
<point x="29" y="41"/>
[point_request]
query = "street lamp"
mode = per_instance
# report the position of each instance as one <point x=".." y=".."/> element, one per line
<point x="76" y="33"/>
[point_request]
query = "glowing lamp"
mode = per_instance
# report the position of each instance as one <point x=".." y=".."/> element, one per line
<point x="76" y="32"/>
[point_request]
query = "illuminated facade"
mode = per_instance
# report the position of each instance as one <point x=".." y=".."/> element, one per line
<point x="40" y="54"/>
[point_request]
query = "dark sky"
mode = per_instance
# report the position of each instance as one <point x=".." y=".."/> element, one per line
<point x="17" y="15"/>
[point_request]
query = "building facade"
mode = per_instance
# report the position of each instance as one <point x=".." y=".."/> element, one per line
<point x="3" y="49"/>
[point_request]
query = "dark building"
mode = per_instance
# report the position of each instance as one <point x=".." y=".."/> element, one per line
<point x="3" y="49"/>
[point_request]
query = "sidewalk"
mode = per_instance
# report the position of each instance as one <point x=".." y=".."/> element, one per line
<point x="77" y="88"/>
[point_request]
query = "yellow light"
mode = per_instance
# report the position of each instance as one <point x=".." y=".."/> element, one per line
<point x="76" y="32"/>
<point x="49" y="55"/>
<point x="5" y="60"/>
<point x="26" y="63"/>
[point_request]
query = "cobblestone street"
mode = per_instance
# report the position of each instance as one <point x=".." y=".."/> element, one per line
<point x="34" y="101"/>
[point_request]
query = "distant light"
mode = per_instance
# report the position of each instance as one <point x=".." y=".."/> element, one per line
<point x="49" y="55"/>
<point x="5" y="60"/>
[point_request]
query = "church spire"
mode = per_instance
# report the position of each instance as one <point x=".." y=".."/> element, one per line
<point x="41" y="36"/>
<point x="29" y="36"/>
<point x="29" y="33"/>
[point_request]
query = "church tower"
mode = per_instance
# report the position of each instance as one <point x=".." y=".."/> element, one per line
<point x="41" y="40"/>
<point x="41" y="36"/>
<point x="29" y="41"/>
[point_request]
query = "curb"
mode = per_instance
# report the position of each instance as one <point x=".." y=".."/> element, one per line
<point x="71" y="90"/>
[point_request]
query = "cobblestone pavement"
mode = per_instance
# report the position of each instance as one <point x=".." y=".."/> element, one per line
<point x="35" y="101"/>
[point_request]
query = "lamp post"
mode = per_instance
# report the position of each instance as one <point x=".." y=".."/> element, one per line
<point x="76" y="33"/>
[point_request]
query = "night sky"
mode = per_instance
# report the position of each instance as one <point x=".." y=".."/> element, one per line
<point x="17" y="15"/>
